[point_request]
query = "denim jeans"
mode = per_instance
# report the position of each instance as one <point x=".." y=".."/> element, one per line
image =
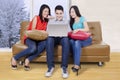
<point x="51" y="43"/>
<point x="33" y="50"/>
<point x="76" y="46"/>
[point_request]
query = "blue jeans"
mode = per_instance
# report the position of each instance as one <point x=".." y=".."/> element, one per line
<point x="33" y="50"/>
<point x="51" y="43"/>
<point x="76" y="46"/>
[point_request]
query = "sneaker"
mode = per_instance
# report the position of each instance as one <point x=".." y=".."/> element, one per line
<point x="49" y="72"/>
<point x="64" y="72"/>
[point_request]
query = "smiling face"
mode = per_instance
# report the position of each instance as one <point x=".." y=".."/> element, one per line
<point x="45" y="13"/>
<point x="59" y="15"/>
<point x="72" y="13"/>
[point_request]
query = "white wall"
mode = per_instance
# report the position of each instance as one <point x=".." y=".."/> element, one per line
<point x="108" y="13"/>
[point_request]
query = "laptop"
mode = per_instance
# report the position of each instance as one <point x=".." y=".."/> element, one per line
<point x="58" y="29"/>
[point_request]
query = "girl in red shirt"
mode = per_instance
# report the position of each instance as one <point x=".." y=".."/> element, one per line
<point x="34" y="47"/>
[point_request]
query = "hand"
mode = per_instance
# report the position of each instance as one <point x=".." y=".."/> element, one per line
<point x="50" y="17"/>
<point x="74" y="31"/>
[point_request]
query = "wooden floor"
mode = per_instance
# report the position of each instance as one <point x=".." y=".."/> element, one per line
<point x="110" y="71"/>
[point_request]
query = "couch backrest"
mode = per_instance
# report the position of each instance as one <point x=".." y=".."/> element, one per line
<point x="23" y="28"/>
<point x="95" y="29"/>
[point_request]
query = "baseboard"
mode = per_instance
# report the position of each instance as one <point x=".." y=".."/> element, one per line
<point x="5" y="50"/>
<point x="115" y="50"/>
<point x="10" y="50"/>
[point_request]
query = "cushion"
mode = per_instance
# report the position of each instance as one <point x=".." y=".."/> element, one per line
<point x="37" y="34"/>
<point x="80" y="35"/>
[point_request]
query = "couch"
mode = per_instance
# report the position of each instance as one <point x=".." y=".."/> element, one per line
<point x="97" y="52"/>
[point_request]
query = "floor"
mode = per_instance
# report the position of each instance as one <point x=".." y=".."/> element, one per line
<point x="89" y="71"/>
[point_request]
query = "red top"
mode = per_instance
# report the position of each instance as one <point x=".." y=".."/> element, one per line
<point x="39" y="26"/>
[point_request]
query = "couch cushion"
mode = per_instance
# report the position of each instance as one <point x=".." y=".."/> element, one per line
<point x="98" y="49"/>
<point x="18" y="47"/>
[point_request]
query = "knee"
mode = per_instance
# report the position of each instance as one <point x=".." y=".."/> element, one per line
<point x="78" y="43"/>
<point x="32" y="49"/>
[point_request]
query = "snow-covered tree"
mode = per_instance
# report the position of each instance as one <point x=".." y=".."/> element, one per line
<point x="12" y="12"/>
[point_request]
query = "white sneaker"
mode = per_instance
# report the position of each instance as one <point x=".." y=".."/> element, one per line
<point x="64" y="72"/>
<point x="49" y="72"/>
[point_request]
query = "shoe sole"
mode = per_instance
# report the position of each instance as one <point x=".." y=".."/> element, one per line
<point x="14" y="68"/>
<point x="26" y="69"/>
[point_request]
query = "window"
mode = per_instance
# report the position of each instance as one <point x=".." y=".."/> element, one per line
<point x="33" y="6"/>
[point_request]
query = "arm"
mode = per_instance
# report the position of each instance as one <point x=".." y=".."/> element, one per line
<point x="50" y="17"/>
<point x="34" y="22"/>
<point x="86" y="28"/>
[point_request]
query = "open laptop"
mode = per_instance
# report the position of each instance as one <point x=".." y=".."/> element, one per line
<point x="58" y="29"/>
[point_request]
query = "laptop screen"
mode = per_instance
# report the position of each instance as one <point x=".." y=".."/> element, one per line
<point x="58" y="28"/>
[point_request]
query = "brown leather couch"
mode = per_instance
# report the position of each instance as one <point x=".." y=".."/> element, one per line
<point x="97" y="52"/>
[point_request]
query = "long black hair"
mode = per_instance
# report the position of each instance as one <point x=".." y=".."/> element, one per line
<point x="41" y="11"/>
<point x="77" y="12"/>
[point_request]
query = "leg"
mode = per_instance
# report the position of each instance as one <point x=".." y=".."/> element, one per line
<point x="76" y="45"/>
<point x="76" y="48"/>
<point x="50" y="52"/>
<point x="50" y="56"/>
<point x="77" y="52"/>
<point x="65" y="55"/>
<point x="65" y="51"/>
<point x="72" y="42"/>
<point x="40" y="48"/>
<point x="86" y="42"/>
<point x="30" y="50"/>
